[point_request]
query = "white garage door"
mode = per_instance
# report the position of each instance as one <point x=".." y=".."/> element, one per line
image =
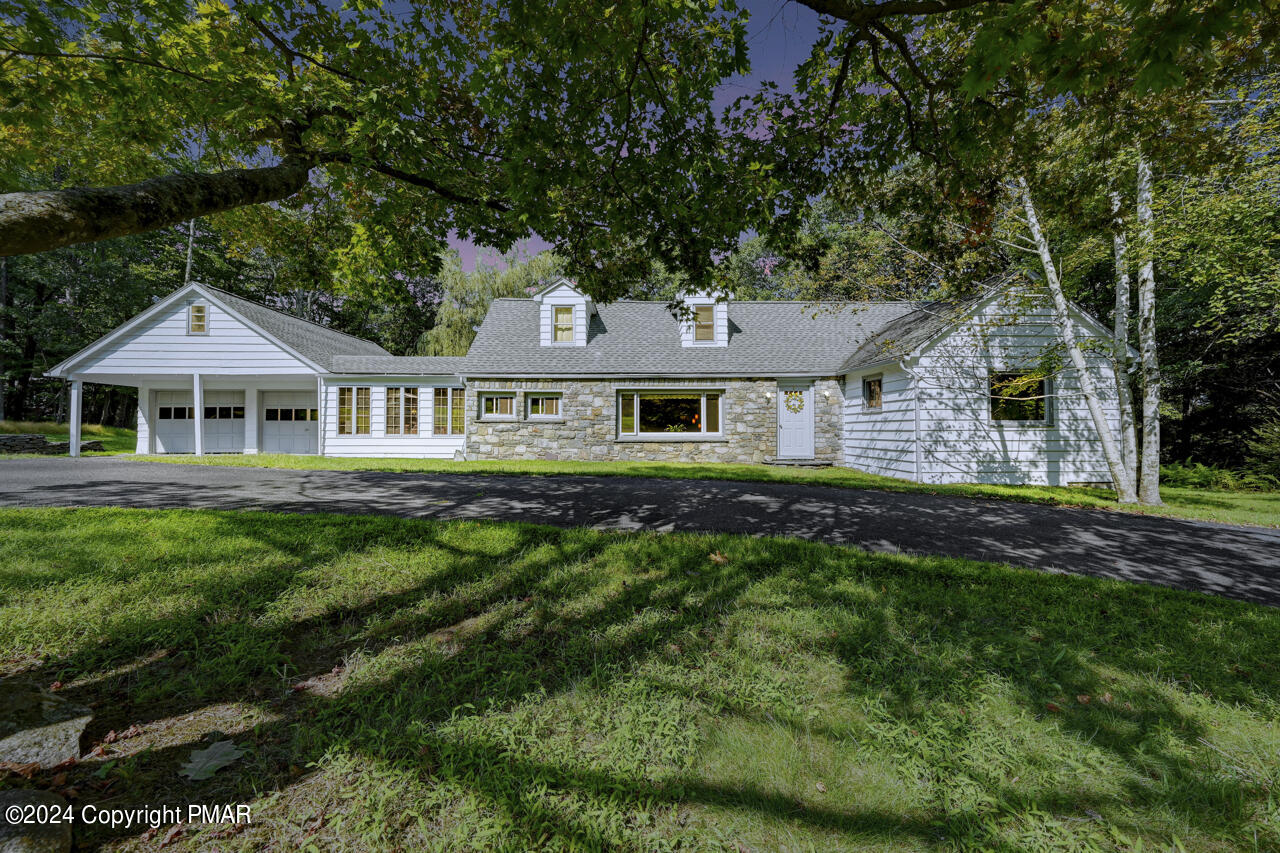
<point x="290" y="422"/>
<point x="224" y="422"/>
<point x="175" y="422"/>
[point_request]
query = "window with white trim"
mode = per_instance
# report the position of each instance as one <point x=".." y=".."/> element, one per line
<point x="353" y="411"/>
<point x="668" y="413"/>
<point x="543" y="406"/>
<point x="198" y="319"/>
<point x="402" y="411"/>
<point x="498" y="407"/>
<point x="449" y="410"/>
<point x="562" y="324"/>
<point x="704" y="323"/>
<point x="1020" y="397"/>
<point x="873" y="393"/>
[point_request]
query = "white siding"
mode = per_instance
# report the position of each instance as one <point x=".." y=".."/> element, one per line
<point x="162" y="346"/>
<point x="377" y="443"/>
<point x="884" y="441"/>
<point x="959" y="441"/>
<point x="563" y="296"/>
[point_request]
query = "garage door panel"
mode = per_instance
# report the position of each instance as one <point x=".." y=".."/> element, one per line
<point x="175" y="428"/>
<point x="224" y="422"/>
<point x="290" y="422"/>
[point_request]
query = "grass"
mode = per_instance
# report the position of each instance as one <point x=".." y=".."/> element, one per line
<point x="114" y="439"/>
<point x="1231" y="507"/>
<point x="404" y="684"/>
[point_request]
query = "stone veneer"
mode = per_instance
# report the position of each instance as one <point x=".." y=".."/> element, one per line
<point x="587" y="428"/>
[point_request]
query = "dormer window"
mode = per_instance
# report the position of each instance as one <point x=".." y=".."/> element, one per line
<point x="704" y="323"/>
<point x="563" y="324"/>
<point x="198" y="320"/>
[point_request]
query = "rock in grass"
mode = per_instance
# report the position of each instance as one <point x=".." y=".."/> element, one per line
<point x="37" y="726"/>
<point x="51" y="836"/>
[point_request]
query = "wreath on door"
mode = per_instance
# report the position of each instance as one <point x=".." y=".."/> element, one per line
<point x="795" y="402"/>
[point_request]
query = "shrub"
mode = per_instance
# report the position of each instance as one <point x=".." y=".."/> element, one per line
<point x="1265" y="448"/>
<point x="1199" y="476"/>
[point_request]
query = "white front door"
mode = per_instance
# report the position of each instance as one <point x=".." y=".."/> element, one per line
<point x="175" y="422"/>
<point x="289" y="422"/>
<point x="795" y="420"/>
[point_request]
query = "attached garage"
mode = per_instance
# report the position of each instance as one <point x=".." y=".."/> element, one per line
<point x="290" y="422"/>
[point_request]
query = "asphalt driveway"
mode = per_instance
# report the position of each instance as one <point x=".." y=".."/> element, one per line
<point x="1239" y="562"/>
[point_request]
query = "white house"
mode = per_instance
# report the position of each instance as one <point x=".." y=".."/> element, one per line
<point x="933" y="393"/>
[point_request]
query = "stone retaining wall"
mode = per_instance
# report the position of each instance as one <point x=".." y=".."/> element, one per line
<point x="587" y="427"/>
<point x="33" y="443"/>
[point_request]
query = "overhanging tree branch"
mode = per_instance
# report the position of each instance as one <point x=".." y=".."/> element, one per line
<point x="39" y="221"/>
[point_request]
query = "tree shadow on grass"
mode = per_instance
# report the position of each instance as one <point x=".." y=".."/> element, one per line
<point x="441" y="622"/>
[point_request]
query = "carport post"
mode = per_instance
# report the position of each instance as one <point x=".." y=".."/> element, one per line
<point x="77" y="393"/>
<point x="197" y="396"/>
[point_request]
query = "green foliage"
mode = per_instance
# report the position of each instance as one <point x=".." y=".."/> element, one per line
<point x="1265" y="447"/>
<point x="478" y="686"/>
<point x="1199" y="476"/>
<point x="465" y="297"/>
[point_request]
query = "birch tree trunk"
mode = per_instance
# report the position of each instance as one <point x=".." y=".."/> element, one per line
<point x="191" y="242"/>
<point x="1120" y="341"/>
<point x="1149" y="485"/>
<point x="1066" y="327"/>
<point x="4" y="328"/>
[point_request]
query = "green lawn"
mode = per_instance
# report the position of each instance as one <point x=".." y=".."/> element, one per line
<point x="114" y="439"/>
<point x="411" y="685"/>
<point x="1257" y="508"/>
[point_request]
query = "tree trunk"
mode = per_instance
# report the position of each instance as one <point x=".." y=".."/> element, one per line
<point x="4" y="328"/>
<point x="191" y="242"/>
<point x="1066" y="327"/>
<point x="1120" y="342"/>
<point x="1149" y="485"/>
<point x="39" y="221"/>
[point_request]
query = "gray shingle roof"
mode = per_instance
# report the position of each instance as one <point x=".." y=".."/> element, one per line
<point x="311" y="340"/>
<point x="636" y="338"/>
<point x="395" y="365"/>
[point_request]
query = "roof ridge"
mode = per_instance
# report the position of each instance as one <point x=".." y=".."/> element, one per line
<point x="287" y="315"/>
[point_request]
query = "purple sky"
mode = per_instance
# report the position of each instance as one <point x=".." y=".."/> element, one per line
<point x="779" y="36"/>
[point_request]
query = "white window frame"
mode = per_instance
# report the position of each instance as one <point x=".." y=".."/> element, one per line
<point x="866" y="406"/>
<point x="404" y="422"/>
<point x="1049" y="397"/>
<point x="573" y="322"/>
<point x="483" y="397"/>
<point x="452" y="405"/>
<point x="637" y="435"/>
<point x="191" y="311"/>
<point x="530" y="396"/>
<point x="709" y="325"/>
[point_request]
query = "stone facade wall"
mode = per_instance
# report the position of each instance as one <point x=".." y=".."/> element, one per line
<point x="587" y="427"/>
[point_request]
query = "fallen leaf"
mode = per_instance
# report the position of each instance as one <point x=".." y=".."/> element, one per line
<point x="205" y="762"/>
<point x="822" y="789"/>
<point x="172" y="835"/>
<point x="1106" y="698"/>
<point x="56" y="686"/>
<point x="59" y="780"/>
<point x="26" y="771"/>
<point x="718" y="558"/>
<point x="1083" y="698"/>
<point x="1053" y="707"/>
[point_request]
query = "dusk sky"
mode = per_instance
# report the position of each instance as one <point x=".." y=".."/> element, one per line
<point x="778" y="37"/>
